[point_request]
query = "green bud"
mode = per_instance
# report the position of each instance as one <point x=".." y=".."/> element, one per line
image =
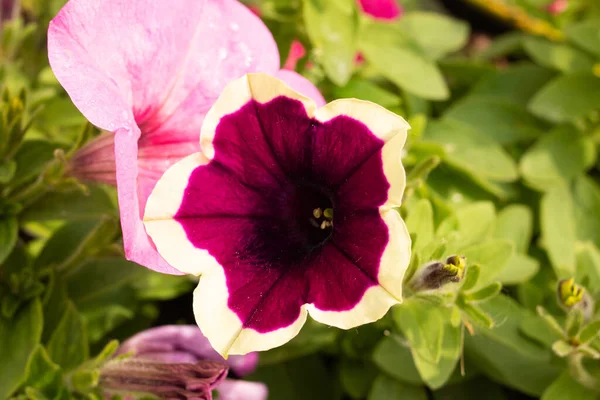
<point x="569" y="293"/>
<point x="437" y="274"/>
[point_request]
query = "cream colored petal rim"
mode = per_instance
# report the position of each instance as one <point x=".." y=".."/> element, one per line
<point x="260" y="87"/>
<point x="168" y="235"/>
<point x="224" y="329"/>
<point x="382" y="123"/>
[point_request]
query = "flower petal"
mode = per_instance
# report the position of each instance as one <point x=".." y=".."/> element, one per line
<point x="392" y="265"/>
<point x="223" y="327"/>
<point x="231" y="389"/>
<point x="153" y="56"/>
<point x="168" y="234"/>
<point x="382" y="123"/>
<point x="138" y="245"/>
<point x="301" y="85"/>
<point x="182" y="344"/>
<point x="259" y="87"/>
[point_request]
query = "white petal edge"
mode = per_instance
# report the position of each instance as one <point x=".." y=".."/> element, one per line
<point x="168" y="235"/>
<point x="382" y="123"/>
<point x="260" y="87"/>
<point x="394" y="172"/>
<point x="223" y="327"/>
<point x="377" y="300"/>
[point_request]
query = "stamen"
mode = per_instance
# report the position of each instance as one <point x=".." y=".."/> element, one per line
<point x="317" y="213"/>
<point x="328" y="213"/>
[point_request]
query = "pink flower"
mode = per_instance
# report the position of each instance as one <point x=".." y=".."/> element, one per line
<point x="185" y="344"/>
<point x="297" y="51"/>
<point x="147" y="72"/>
<point x="382" y="9"/>
<point x="557" y="7"/>
<point x="290" y="209"/>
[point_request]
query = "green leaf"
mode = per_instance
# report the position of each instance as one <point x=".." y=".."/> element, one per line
<point x="574" y="322"/>
<point x="585" y="34"/>
<point x="395" y="359"/>
<point x="9" y="231"/>
<point x="423" y="326"/>
<point x="7" y="171"/>
<point x="31" y="158"/>
<point x="471" y="389"/>
<point x="536" y="328"/>
<point x="471" y="277"/>
<point x="469" y="150"/>
<point x="557" y="55"/>
<point x="502" y="46"/>
<point x="476" y="315"/>
<point x="68" y="345"/>
<point x="506" y="355"/>
<point x="420" y="223"/>
<point x="386" y="388"/>
<point x="483" y="294"/>
<point x="75" y="241"/>
<point x="366" y="90"/>
<point x="566" y="388"/>
<point x="402" y="65"/>
<point x="586" y="196"/>
<point x="434" y="33"/>
<point x="562" y="348"/>
<point x="588" y="265"/>
<point x="519" y="269"/>
<point x="289" y="380"/>
<point x="437" y="374"/>
<point x="492" y="256"/>
<point x="312" y="337"/>
<point x="589" y="332"/>
<point x="515" y="223"/>
<point x="43" y="374"/>
<point x="567" y="98"/>
<point x="97" y="277"/>
<point x="550" y="321"/>
<point x="558" y="229"/>
<point x="475" y="222"/>
<point x="498" y="120"/>
<point x="557" y="158"/>
<point x="73" y="205"/>
<point x="19" y="337"/>
<point x="332" y="28"/>
<point x="513" y="85"/>
<point x="357" y="377"/>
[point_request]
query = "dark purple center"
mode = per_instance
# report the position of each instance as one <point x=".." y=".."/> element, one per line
<point x="289" y="208"/>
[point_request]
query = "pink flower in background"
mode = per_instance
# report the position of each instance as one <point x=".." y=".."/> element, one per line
<point x="382" y="9"/>
<point x="557" y="7"/>
<point x="185" y="344"/>
<point x="297" y="51"/>
<point x="147" y="72"/>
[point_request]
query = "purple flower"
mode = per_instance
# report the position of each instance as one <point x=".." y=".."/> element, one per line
<point x="288" y="210"/>
<point x="185" y="344"/>
<point x="147" y="72"/>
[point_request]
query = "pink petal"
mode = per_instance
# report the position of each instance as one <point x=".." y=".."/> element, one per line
<point x="297" y="51"/>
<point x="382" y="9"/>
<point x="231" y="389"/>
<point x="301" y="85"/>
<point x="182" y="344"/>
<point x="149" y="71"/>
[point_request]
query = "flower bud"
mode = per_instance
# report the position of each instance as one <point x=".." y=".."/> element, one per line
<point x="166" y="381"/>
<point x="571" y="295"/>
<point x="95" y="161"/>
<point x="437" y="274"/>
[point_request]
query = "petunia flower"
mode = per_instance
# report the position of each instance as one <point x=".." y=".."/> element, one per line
<point x="557" y="7"/>
<point x="185" y="344"/>
<point x="288" y="210"/>
<point x="147" y="72"/>
<point x="382" y="9"/>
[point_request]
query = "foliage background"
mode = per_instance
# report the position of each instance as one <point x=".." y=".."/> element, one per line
<point x="503" y="168"/>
